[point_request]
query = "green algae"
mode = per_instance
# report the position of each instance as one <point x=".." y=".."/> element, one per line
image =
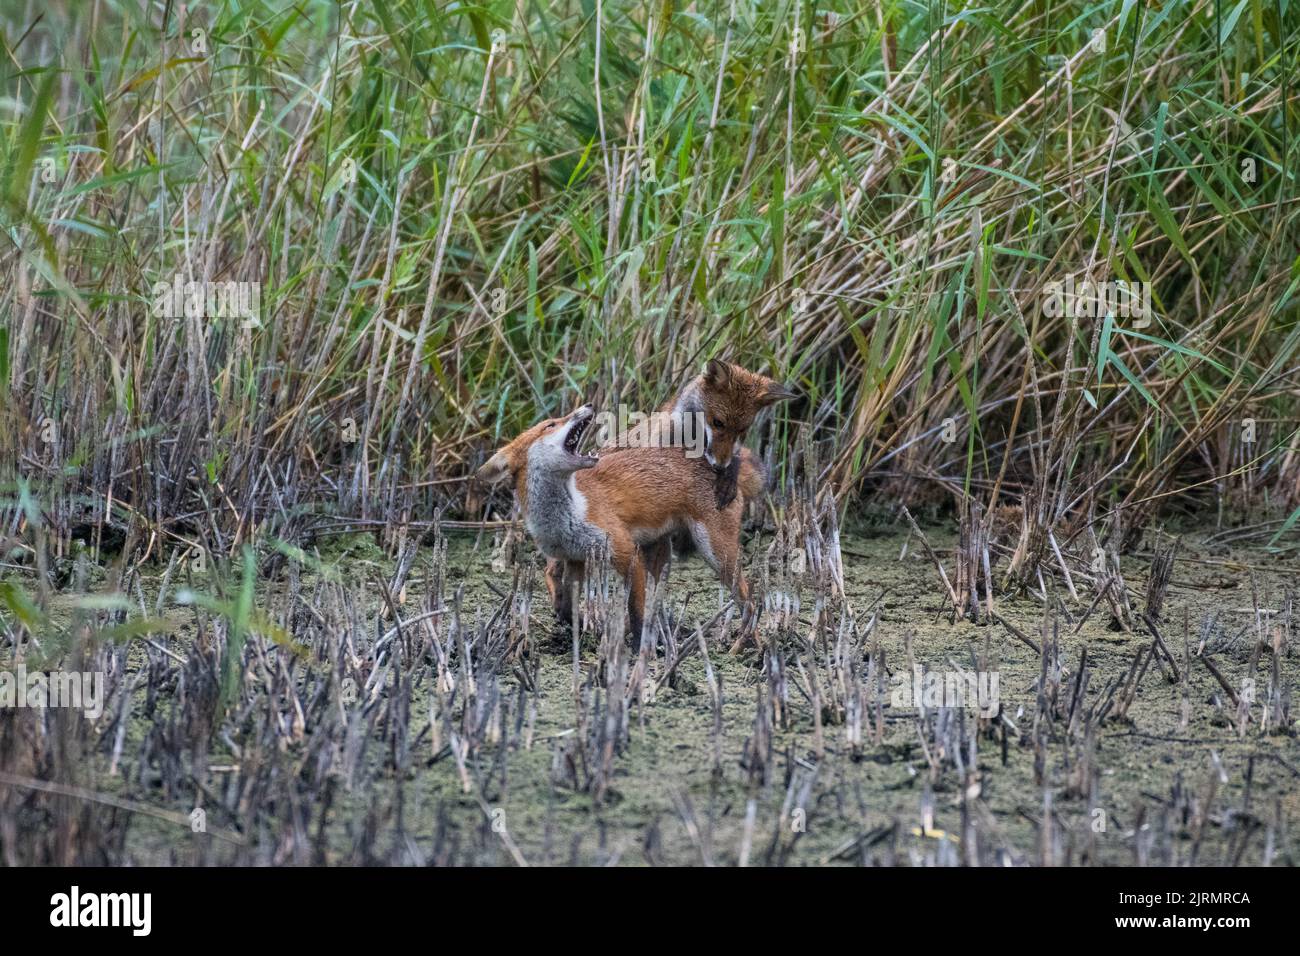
<point x="673" y="799"/>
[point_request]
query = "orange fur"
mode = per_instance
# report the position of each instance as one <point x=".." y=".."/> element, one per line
<point x="636" y="497"/>
<point x="730" y="398"/>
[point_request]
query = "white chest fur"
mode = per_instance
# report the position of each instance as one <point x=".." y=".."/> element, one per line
<point x="557" y="516"/>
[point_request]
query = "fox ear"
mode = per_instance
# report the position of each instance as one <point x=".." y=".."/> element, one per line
<point x="776" y="392"/>
<point x="494" y="469"/>
<point x="717" y="373"/>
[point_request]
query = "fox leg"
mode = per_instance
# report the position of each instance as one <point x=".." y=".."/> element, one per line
<point x="561" y="577"/>
<point x="657" y="556"/>
<point x="718" y="540"/>
<point x="636" y="600"/>
<point x="628" y="562"/>
<point x="556" y="589"/>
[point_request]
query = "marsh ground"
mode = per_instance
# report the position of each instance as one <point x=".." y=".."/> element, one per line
<point x="1172" y="781"/>
<point x="1151" y="760"/>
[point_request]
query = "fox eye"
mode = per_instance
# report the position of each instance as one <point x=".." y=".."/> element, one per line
<point x="717" y="423"/>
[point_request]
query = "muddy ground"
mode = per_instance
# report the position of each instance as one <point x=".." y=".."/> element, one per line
<point x="1149" y="762"/>
<point x="1185" y="776"/>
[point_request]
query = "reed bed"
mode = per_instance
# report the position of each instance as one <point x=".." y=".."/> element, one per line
<point x="462" y="218"/>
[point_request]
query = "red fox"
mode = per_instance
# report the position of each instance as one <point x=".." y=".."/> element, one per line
<point x="727" y="398"/>
<point x="574" y="503"/>
<point x="730" y="398"/>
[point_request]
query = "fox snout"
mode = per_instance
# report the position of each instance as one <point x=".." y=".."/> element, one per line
<point x="719" y="454"/>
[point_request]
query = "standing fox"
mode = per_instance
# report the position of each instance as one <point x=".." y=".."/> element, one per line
<point x="727" y="399"/>
<point x="575" y="503"/>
